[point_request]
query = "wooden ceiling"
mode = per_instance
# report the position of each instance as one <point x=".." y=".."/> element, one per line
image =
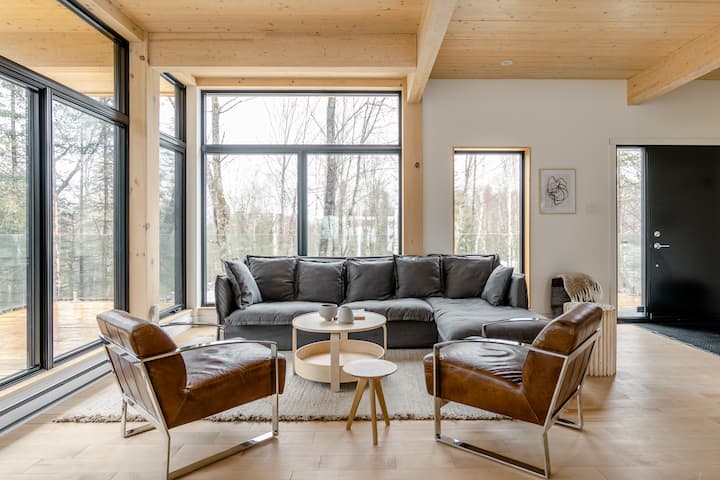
<point x="413" y="39"/>
<point x="584" y="39"/>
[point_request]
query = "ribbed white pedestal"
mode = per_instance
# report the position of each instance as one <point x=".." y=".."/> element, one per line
<point x="603" y="362"/>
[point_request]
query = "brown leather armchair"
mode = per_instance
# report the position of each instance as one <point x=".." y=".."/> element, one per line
<point x="532" y="383"/>
<point x="171" y="385"/>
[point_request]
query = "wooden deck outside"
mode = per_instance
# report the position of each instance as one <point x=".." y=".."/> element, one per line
<point x="74" y="326"/>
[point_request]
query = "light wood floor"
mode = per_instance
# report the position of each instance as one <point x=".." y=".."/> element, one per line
<point x="658" y="419"/>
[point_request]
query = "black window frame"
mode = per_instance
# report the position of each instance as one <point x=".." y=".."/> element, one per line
<point x="302" y="151"/>
<point x="523" y="194"/>
<point x="45" y="91"/>
<point x="178" y="145"/>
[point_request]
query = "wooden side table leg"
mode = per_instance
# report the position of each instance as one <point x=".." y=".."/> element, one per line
<point x="362" y="382"/>
<point x="294" y="348"/>
<point x="335" y="362"/>
<point x="381" y="400"/>
<point x="373" y="413"/>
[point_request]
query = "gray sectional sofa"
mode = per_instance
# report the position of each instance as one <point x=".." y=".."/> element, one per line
<point x="424" y="298"/>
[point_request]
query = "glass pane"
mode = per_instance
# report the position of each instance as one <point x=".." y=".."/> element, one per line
<point x="302" y="119"/>
<point x="629" y="224"/>
<point x="83" y="166"/>
<point x="488" y="205"/>
<point x="168" y="110"/>
<point x="47" y="37"/>
<point x="14" y="227"/>
<point x="250" y="208"/>
<point x="169" y="163"/>
<point x="353" y="205"/>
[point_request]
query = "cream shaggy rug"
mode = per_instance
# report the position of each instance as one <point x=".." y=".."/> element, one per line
<point x="304" y="400"/>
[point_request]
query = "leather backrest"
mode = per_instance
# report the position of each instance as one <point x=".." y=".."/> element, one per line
<point x="562" y="335"/>
<point x="144" y="339"/>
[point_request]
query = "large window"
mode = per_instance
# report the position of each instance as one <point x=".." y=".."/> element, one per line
<point x="63" y="136"/>
<point x="299" y="174"/>
<point x="489" y="204"/>
<point x="172" y="198"/>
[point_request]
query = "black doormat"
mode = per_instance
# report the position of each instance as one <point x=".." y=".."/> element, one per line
<point x="703" y="335"/>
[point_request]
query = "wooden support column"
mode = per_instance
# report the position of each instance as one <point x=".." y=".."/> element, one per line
<point x="412" y="178"/>
<point x="144" y="182"/>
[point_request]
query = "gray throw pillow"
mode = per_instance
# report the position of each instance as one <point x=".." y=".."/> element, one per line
<point x="497" y="286"/>
<point x="275" y="276"/>
<point x="244" y="286"/>
<point x="465" y="277"/>
<point x="320" y="281"/>
<point x="418" y="277"/>
<point x="370" y="279"/>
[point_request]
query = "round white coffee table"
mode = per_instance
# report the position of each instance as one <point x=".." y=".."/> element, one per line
<point x="323" y="361"/>
<point x="369" y="372"/>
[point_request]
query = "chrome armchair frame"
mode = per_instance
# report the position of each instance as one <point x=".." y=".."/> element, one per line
<point x="155" y="418"/>
<point x="553" y="415"/>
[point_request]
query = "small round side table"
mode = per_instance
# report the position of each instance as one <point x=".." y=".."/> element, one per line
<point x="369" y="372"/>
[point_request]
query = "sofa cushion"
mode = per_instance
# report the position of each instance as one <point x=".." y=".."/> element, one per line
<point x="275" y="276"/>
<point x="397" y="309"/>
<point x="271" y="313"/>
<point x="244" y="286"/>
<point x="370" y="279"/>
<point x="418" y="277"/>
<point x="466" y="276"/>
<point x="465" y="317"/>
<point x="497" y="285"/>
<point x="320" y="281"/>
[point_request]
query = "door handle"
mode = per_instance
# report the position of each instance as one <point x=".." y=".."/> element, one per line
<point x="658" y="246"/>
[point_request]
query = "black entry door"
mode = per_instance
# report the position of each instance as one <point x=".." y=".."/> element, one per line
<point x="682" y="231"/>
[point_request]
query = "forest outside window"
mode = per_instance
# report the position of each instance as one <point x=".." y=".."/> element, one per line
<point x="299" y="174"/>
<point x="489" y="198"/>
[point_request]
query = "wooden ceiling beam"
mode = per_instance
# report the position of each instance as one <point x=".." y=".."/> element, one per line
<point x="296" y="54"/>
<point x="689" y="62"/>
<point x="284" y="83"/>
<point x="113" y="17"/>
<point x="433" y="26"/>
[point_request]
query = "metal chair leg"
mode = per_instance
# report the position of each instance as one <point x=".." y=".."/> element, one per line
<point x="133" y="431"/>
<point x="577" y="425"/>
<point x="438" y="427"/>
<point x="546" y="449"/>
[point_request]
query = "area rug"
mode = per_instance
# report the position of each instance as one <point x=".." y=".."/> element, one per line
<point x="704" y="335"/>
<point x="304" y="400"/>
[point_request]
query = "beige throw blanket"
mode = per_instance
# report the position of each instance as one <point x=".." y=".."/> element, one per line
<point x="581" y="287"/>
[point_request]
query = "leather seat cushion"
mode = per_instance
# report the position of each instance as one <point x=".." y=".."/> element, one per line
<point x="483" y="375"/>
<point x="397" y="309"/>
<point x="220" y="378"/>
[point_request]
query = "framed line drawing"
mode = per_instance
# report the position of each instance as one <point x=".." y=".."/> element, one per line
<point x="557" y="190"/>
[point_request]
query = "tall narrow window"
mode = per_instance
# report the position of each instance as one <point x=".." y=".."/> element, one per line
<point x="172" y="180"/>
<point x="83" y="220"/>
<point x="489" y="204"/>
<point x="16" y="350"/>
<point x="300" y="174"/>
<point x="630" y="228"/>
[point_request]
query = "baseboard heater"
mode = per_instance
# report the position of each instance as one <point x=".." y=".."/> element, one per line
<point x="25" y="404"/>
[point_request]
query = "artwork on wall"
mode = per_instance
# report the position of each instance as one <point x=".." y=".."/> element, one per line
<point x="557" y="190"/>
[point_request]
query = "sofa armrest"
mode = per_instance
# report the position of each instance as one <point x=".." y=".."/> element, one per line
<point x="224" y="298"/>
<point x="517" y="294"/>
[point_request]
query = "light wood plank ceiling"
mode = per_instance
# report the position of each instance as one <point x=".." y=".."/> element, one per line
<point x="276" y="16"/>
<point x="584" y="39"/>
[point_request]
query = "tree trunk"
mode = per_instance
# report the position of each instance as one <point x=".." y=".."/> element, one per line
<point x="215" y="187"/>
<point x="330" y="180"/>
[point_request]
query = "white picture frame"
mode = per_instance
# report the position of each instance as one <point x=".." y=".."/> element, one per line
<point x="557" y="190"/>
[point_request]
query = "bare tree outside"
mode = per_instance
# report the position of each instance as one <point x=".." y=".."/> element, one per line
<point x="252" y="199"/>
<point x="488" y="209"/>
<point x="629" y="224"/>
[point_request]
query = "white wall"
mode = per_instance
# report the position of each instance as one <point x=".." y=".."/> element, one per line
<point x="566" y="123"/>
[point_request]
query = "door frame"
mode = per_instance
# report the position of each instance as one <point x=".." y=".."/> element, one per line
<point x="614" y="143"/>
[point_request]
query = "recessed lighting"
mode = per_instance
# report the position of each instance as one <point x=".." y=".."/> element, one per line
<point x="506" y="63"/>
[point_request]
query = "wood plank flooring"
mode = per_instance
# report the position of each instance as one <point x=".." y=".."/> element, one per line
<point x="658" y="419"/>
